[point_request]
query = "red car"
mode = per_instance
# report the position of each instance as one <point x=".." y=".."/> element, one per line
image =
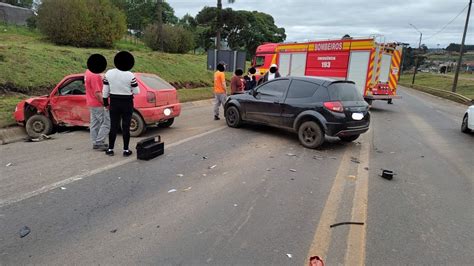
<point x="157" y="103"/>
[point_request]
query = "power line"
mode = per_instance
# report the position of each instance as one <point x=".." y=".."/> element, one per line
<point x="449" y="23"/>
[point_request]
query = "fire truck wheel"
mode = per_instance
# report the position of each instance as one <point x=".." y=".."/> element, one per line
<point x="349" y="138"/>
<point x="310" y="135"/>
<point x="390" y="101"/>
<point x="38" y="125"/>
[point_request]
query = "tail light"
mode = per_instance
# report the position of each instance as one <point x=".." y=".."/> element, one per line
<point x="150" y="97"/>
<point x="334" y="106"/>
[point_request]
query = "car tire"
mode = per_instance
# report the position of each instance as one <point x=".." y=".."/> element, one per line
<point x="38" y="125"/>
<point x="166" y="124"/>
<point x="464" y="127"/>
<point x="350" y="138"/>
<point x="232" y="117"/>
<point x="310" y="135"/>
<point x="137" y="125"/>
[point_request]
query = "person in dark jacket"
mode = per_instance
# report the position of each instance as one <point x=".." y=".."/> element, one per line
<point x="119" y="87"/>
<point x="270" y="75"/>
<point x="250" y="79"/>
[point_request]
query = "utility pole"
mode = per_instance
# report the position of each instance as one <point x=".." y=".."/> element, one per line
<point x="416" y="59"/>
<point x="461" y="50"/>
<point x="159" y="15"/>
<point x="219" y="24"/>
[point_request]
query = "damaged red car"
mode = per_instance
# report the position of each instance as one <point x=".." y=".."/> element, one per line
<point x="157" y="104"/>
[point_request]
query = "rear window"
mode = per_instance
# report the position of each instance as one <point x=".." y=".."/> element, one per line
<point x="156" y="83"/>
<point x="301" y="89"/>
<point x="344" y="92"/>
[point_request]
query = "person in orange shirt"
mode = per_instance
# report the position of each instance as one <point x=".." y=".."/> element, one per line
<point x="220" y="90"/>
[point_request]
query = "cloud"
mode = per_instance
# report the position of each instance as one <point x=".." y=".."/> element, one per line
<point x="325" y="19"/>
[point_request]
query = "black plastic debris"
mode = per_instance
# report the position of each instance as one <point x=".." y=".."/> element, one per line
<point x="204" y="158"/>
<point x="387" y="174"/>
<point x="344" y="223"/>
<point x="114" y="231"/>
<point x="366" y="168"/>
<point x="355" y="160"/>
<point x="24" y="231"/>
<point x="68" y="149"/>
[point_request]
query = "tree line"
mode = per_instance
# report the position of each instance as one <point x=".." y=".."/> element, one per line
<point x="100" y="23"/>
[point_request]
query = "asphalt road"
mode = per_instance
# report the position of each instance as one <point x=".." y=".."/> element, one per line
<point x="249" y="196"/>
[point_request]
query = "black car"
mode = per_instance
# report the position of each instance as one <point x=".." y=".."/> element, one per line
<point x="311" y="106"/>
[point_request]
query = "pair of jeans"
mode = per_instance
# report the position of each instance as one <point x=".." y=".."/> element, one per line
<point x="121" y="109"/>
<point x="99" y="125"/>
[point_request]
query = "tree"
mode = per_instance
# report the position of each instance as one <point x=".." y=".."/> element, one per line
<point x="220" y="22"/>
<point x="84" y="23"/>
<point x="20" y="3"/>
<point x="175" y="39"/>
<point x="242" y="29"/>
<point x="141" y="13"/>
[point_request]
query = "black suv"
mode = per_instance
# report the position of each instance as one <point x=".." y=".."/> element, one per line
<point x="311" y="106"/>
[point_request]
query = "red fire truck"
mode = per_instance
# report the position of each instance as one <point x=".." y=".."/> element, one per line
<point x="374" y="67"/>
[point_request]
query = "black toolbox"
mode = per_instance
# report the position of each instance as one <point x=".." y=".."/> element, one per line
<point x="150" y="148"/>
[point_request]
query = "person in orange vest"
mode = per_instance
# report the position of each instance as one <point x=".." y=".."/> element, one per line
<point x="220" y="89"/>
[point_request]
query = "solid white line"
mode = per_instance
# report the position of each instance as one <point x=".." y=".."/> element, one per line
<point x="70" y="180"/>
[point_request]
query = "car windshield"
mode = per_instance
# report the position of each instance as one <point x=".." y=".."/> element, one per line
<point x="156" y="83"/>
<point x="344" y="91"/>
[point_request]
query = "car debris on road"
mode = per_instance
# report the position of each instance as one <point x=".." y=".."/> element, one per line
<point x="24" y="231"/>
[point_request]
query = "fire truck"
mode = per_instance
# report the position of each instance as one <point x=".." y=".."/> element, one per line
<point x="373" y="66"/>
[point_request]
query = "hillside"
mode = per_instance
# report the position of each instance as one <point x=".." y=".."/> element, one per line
<point x="31" y="65"/>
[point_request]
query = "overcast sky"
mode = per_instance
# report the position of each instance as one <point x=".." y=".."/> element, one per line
<point x="324" y="19"/>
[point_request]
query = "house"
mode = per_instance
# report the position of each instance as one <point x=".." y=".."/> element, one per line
<point x="14" y="15"/>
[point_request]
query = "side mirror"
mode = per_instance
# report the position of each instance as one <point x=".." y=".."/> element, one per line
<point x="254" y="92"/>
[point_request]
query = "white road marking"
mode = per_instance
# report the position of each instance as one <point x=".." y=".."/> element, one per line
<point x="62" y="183"/>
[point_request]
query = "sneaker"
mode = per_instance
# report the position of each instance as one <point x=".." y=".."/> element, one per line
<point x="100" y="147"/>
<point x="109" y="152"/>
<point x="216" y="117"/>
<point x="127" y="153"/>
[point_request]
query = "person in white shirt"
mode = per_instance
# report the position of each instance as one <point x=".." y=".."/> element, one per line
<point x="119" y="86"/>
<point x="270" y="75"/>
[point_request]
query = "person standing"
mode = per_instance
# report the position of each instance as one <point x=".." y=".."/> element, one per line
<point x="250" y="79"/>
<point x="236" y="83"/>
<point x="220" y="89"/>
<point x="270" y="75"/>
<point x="120" y="85"/>
<point x="99" y="116"/>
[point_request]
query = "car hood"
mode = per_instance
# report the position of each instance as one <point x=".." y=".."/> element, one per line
<point x="39" y="102"/>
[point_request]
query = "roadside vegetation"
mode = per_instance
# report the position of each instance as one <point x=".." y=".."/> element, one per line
<point x="441" y="82"/>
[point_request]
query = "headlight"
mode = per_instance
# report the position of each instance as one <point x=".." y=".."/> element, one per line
<point x="16" y="108"/>
<point x="167" y="112"/>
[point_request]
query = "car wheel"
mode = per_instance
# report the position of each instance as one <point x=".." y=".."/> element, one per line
<point x="137" y="125"/>
<point x="166" y="124"/>
<point x="38" y="125"/>
<point x="464" y="127"/>
<point x="310" y="135"/>
<point x="349" y="138"/>
<point x="232" y="117"/>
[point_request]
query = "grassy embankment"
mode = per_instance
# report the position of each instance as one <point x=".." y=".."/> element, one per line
<point x="30" y="65"/>
<point x="425" y="81"/>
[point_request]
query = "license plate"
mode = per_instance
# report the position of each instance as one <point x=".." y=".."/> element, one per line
<point x="357" y="116"/>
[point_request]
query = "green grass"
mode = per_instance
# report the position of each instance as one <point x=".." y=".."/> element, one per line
<point x="465" y="87"/>
<point x="7" y="107"/>
<point x="28" y="62"/>
<point x="189" y="95"/>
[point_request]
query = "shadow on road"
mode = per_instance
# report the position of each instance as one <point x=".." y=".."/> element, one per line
<point x="331" y="143"/>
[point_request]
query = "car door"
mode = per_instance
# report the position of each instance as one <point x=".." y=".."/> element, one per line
<point x="265" y="106"/>
<point x="302" y="95"/>
<point x="68" y="104"/>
